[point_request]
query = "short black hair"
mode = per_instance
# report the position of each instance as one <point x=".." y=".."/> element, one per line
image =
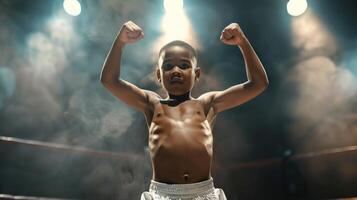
<point x="179" y="43"/>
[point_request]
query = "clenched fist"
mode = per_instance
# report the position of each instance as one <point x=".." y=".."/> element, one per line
<point x="232" y="35"/>
<point x="130" y="33"/>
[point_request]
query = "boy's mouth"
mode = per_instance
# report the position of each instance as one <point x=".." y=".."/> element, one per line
<point x="176" y="79"/>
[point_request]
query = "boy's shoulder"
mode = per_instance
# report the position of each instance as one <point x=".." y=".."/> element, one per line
<point x="153" y="96"/>
<point x="206" y="98"/>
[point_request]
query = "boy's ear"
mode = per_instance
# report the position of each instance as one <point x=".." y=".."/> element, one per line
<point x="197" y="73"/>
<point x="158" y="75"/>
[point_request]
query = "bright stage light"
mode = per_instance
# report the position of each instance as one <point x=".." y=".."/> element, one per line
<point x="72" y="7"/>
<point x="296" y="7"/>
<point x="175" y="25"/>
<point x="173" y="5"/>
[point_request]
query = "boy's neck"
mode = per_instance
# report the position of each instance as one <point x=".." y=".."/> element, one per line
<point x="175" y="100"/>
<point x="180" y="98"/>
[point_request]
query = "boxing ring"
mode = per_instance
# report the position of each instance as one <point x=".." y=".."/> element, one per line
<point x="9" y="197"/>
<point x="287" y="163"/>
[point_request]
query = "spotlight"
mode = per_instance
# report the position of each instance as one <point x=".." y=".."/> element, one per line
<point x="72" y="7"/>
<point x="173" y="5"/>
<point x="175" y="25"/>
<point x="296" y="7"/>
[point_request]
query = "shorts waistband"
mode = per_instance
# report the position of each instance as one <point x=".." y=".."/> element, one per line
<point x="183" y="189"/>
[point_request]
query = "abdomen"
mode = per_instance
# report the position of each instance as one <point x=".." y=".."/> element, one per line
<point x="181" y="151"/>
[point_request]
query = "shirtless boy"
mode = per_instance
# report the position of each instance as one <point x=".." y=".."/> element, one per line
<point x="180" y="126"/>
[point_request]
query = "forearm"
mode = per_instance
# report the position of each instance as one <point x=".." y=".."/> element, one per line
<point x="111" y="68"/>
<point x="254" y="68"/>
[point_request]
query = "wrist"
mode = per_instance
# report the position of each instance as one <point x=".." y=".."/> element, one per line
<point x="243" y="42"/>
<point x="119" y="43"/>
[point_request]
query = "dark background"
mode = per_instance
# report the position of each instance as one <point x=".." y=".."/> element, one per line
<point x="50" y="64"/>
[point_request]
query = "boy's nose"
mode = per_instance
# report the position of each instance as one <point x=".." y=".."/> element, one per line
<point x="176" y="69"/>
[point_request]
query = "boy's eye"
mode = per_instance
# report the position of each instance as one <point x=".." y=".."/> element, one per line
<point x="184" y="66"/>
<point x="167" y="66"/>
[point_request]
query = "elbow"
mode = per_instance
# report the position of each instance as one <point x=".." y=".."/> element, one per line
<point x="266" y="83"/>
<point x="108" y="83"/>
<point x="105" y="78"/>
<point x="102" y="80"/>
<point x="105" y="82"/>
<point x="262" y="85"/>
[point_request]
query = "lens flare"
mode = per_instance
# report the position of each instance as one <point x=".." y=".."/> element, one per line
<point x="173" y="5"/>
<point x="72" y="7"/>
<point x="296" y="7"/>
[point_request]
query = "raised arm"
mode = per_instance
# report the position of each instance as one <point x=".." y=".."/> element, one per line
<point x="110" y="76"/>
<point x="257" y="79"/>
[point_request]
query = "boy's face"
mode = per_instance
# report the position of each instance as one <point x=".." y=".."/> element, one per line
<point x="177" y="70"/>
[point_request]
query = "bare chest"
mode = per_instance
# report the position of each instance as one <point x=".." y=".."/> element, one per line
<point x="179" y="130"/>
<point x="187" y="112"/>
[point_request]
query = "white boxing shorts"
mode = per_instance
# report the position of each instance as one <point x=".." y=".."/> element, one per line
<point x="204" y="190"/>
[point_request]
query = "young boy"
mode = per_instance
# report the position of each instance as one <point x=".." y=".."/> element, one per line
<point x="180" y="126"/>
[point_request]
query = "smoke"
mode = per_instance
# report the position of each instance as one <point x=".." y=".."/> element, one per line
<point x="324" y="107"/>
<point x="57" y="76"/>
<point x="311" y="37"/>
<point x="43" y="59"/>
<point x="124" y="179"/>
<point x="7" y="84"/>
<point x="50" y="90"/>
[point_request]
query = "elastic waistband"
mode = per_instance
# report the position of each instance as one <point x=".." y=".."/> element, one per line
<point x="183" y="189"/>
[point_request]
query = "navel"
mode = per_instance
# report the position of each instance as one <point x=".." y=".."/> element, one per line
<point x="186" y="177"/>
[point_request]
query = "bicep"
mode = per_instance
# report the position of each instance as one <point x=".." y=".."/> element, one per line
<point x="129" y="94"/>
<point x="235" y="95"/>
